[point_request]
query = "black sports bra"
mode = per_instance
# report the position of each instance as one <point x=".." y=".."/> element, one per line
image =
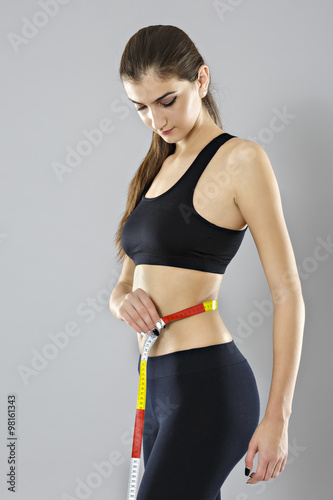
<point x="167" y="230"/>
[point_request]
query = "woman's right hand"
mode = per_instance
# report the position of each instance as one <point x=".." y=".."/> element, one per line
<point x="139" y="311"/>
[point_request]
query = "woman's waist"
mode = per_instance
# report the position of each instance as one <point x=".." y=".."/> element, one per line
<point x="202" y="329"/>
<point x="174" y="289"/>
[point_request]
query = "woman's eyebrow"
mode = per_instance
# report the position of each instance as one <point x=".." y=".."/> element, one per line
<point x="158" y="99"/>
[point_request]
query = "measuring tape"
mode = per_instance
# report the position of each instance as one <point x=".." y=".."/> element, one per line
<point x="141" y="401"/>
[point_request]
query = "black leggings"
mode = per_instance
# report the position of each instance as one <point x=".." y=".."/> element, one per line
<point x="201" y="411"/>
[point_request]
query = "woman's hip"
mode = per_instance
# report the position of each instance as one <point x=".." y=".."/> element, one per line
<point x="216" y="374"/>
<point x="210" y="390"/>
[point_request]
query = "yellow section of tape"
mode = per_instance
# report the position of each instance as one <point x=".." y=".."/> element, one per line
<point x="211" y="305"/>
<point x="141" y="402"/>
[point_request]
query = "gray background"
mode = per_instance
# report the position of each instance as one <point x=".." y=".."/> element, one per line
<point x="57" y="257"/>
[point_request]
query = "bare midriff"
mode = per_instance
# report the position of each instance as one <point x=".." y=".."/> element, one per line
<point x="173" y="289"/>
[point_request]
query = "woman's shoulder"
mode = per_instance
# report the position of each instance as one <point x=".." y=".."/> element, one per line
<point x="245" y="148"/>
<point x="247" y="158"/>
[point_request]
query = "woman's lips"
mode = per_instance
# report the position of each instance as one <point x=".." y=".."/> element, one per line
<point x="168" y="131"/>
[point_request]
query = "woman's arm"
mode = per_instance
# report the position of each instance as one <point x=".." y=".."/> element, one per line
<point x="258" y="198"/>
<point x="123" y="287"/>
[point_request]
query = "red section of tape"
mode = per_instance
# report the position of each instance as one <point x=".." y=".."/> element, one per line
<point x="190" y="311"/>
<point x="138" y="431"/>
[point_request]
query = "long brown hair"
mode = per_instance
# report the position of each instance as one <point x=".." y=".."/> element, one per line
<point x="168" y="52"/>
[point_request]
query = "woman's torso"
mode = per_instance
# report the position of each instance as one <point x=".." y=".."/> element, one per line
<point x="173" y="288"/>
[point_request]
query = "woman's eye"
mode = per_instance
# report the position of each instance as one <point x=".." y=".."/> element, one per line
<point x="169" y="103"/>
<point x="164" y="105"/>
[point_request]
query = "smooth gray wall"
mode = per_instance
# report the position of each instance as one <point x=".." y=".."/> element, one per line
<point x="57" y="257"/>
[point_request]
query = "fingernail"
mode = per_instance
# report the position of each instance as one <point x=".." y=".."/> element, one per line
<point x="156" y="332"/>
<point x="143" y="334"/>
<point x="247" y="471"/>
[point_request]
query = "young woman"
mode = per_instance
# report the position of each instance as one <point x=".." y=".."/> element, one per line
<point x="188" y="207"/>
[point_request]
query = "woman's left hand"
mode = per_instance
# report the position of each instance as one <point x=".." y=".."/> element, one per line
<point x="270" y="440"/>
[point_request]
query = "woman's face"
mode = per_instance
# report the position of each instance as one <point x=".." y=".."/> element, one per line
<point x="180" y="110"/>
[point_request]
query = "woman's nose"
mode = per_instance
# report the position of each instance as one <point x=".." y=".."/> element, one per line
<point x="157" y="120"/>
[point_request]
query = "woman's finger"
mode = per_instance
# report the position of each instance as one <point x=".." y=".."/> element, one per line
<point x="260" y="473"/>
<point x="138" y="311"/>
<point x="133" y="324"/>
<point x="283" y="464"/>
<point x="270" y="469"/>
<point x="150" y="307"/>
<point x="249" y="457"/>
<point x="277" y="468"/>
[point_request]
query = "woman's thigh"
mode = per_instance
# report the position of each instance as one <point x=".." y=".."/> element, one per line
<point x="202" y="408"/>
